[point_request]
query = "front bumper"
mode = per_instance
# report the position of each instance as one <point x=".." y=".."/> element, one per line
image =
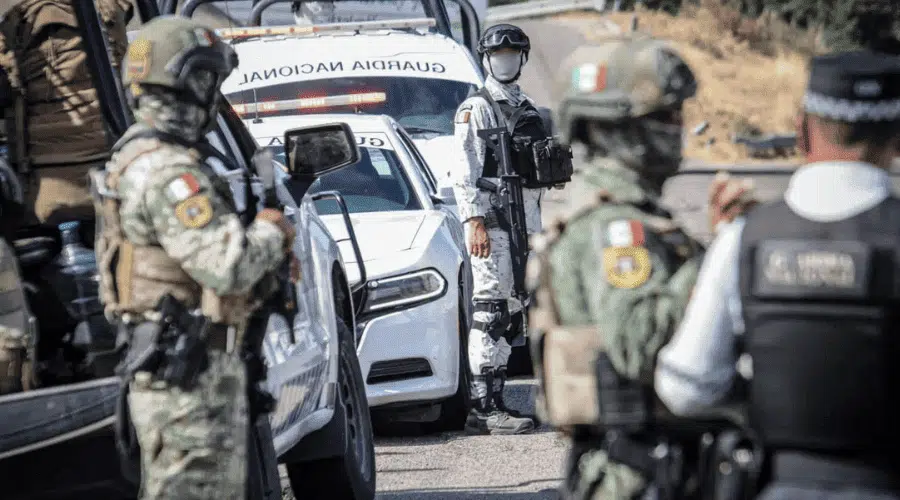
<point x="412" y="354"/>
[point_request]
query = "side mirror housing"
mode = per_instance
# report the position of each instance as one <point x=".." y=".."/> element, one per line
<point x="312" y="152"/>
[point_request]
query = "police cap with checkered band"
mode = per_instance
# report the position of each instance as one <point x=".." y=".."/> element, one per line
<point x="857" y="86"/>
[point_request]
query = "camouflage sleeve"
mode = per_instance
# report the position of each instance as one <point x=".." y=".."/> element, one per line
<point x="197" y="227"/>
<point x="634" y="294"/>
<point x="471" y="117"/>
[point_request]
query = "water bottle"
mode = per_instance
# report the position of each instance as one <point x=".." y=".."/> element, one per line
<point x="78" y="266"/>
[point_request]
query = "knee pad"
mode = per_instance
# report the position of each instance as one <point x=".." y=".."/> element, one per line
<point x="498" y="313"/>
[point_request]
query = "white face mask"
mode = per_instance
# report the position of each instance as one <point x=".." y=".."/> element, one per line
<point x="503" y="66"/>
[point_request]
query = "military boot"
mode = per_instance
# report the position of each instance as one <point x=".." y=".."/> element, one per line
<point x="485" y="418"/>
<point x="499" y="403"/>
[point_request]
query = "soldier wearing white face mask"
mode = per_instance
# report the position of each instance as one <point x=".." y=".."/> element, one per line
<point x="498" y="317"/>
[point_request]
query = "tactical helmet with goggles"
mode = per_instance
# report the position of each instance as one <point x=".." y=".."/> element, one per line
<point x="503" y="36"/>
<point x="180" y="54"/>
<point x="630" y="77"/>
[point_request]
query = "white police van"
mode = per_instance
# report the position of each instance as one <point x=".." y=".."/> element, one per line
<point x="405" y="68"/>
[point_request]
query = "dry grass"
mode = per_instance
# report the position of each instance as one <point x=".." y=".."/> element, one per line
<point x="751" y="73"/>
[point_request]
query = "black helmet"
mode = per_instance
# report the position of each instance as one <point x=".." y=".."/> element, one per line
<point x="502" y="36"/>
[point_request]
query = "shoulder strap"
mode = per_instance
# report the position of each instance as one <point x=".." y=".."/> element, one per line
<point x="203" y="148"/>
<point x="485" y="94"/>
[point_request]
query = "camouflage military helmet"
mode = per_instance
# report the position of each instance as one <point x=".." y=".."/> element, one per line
<point x="169" y="50"/>
<point x="626" y="77"/>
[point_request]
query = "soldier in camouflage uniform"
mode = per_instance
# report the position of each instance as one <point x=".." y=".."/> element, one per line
<point x="169" y="226"/>
<point x="614" y="279"/>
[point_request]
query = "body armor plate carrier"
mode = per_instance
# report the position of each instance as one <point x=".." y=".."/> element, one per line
<point x="820" y="305"/>
<point x="542" y="161"/>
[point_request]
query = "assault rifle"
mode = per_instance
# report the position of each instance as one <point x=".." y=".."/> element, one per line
<point x="285" y="302"/>
<point x="512" y="215"/>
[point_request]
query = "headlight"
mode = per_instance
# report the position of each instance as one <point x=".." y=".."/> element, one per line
<point x="406" y="289"/>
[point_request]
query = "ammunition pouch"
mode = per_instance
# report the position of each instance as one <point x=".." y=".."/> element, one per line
<point x="565" y="365"/>
<point x="552" y="164"/>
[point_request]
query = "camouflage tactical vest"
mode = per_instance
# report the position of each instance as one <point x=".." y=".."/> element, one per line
<point x="48" y="69"/>
<point x="133" y="278"/>
<point x="563" y="355"/>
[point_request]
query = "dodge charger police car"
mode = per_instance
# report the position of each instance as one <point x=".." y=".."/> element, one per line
<point x="413" y="321"/>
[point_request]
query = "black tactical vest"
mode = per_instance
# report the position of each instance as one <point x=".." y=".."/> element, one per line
<point x="820" y="305"/>
<point x="540" y="160"/>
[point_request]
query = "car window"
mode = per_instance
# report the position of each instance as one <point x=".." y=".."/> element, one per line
<point x="419" y="162"/>
<point x="376" y="183"/>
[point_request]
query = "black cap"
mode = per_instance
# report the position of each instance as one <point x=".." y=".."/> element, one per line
<point x="859" y="86"/>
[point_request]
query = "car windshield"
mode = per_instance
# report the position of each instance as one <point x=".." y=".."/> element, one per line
<point x="377" y="183"/>
<point x="421" y="105"/>
<point x="318" y="12"/>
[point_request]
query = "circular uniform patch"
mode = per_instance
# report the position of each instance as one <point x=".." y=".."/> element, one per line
<point x="626" y="267"/>
<point x="194" y="212"/>
<point x="139" y="59"/>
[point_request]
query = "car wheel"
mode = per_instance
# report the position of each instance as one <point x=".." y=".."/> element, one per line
<point x="455" y="410"/>
<point x="351" y="474"/>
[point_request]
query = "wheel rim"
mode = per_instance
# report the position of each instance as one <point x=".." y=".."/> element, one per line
<point x="357" y="426"/>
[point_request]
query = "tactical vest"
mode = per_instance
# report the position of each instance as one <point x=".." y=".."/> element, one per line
<point x="821" y="303"/>
<point x="57" y="109"/>
<point x="537" y="157"/>
<point x="133" y="278"/>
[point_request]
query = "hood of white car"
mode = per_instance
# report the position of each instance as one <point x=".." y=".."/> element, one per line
<point x="380" y="234"/>
<point x="440" y="154"/>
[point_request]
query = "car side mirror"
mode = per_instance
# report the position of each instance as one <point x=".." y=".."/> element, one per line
<point x="547" y="116"/>
<point x="312" y="152"/>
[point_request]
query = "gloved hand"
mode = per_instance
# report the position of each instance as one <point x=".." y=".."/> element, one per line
<point x="295" y="268"/>
<point x="277" y="217"/>
<point x="729" y="199"/>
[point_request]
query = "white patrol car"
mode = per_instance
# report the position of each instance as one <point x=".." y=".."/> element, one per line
<point x="413" y="321"/>
<point x="395" y="67"/>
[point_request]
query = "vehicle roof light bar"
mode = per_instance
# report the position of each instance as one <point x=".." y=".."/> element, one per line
<point x="310" y="103"/>
<point x="256" y="31"/>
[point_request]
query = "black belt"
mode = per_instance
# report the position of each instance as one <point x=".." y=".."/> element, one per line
<point x="807" y="467"/>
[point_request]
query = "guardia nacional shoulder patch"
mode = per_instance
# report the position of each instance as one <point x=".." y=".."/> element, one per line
<point x="626" y="261"/>
<point x="139" y="59"/>
<point x="626" y="267"/>
<point x="194" y="212"/>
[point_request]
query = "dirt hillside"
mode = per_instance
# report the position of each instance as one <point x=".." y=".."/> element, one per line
<point x="751" y="74"/>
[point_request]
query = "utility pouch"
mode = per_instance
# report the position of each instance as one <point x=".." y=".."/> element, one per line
<point x="623" y="403"/>
<point x="552" y="164"/>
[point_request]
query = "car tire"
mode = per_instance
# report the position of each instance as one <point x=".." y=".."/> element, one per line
<point x="455" y="409"/>
<point x="351" y="474"/>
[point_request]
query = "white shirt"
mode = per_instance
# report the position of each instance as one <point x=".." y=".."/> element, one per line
<point x="696" y="369"/>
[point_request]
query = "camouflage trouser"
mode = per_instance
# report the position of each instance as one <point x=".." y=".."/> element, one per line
<point x="591" y="476"/>
<point x="15" y="328"/>
<point x="193" y="443"/>
<point x="492" y="282"/>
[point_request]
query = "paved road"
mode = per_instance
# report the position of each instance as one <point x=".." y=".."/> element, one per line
<point x="458" y="467"/>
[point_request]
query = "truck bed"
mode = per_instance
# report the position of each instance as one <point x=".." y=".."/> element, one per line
<point x="58" y="443"/>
